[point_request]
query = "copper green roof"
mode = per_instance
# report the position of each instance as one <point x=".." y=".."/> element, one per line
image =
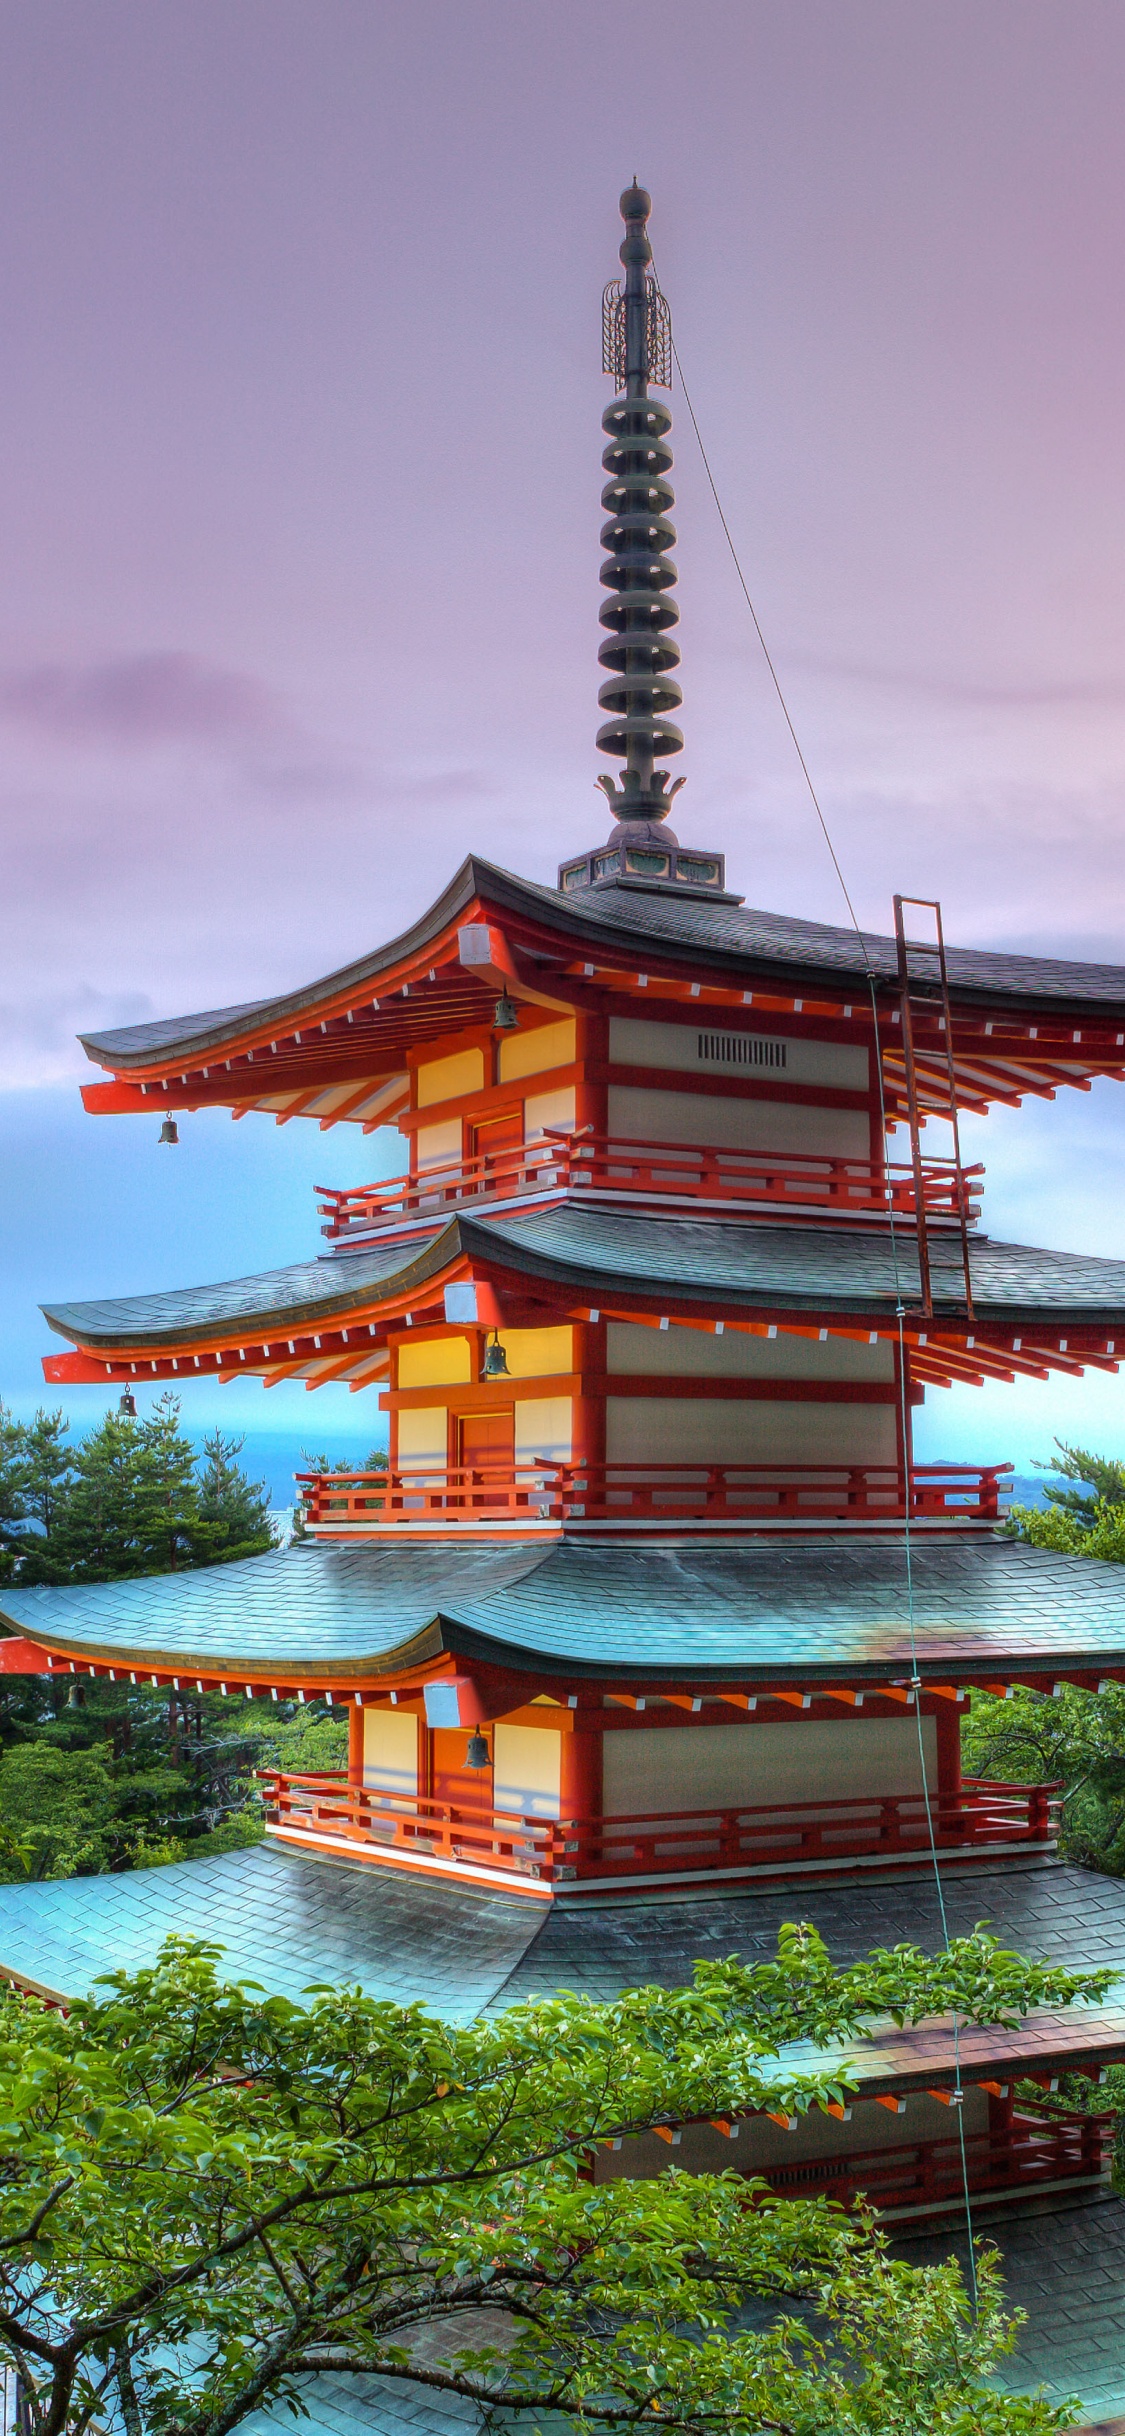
<point x="734" y="939"/>
<point x="601" y="1253"/>
<point x="763" y="1611"/>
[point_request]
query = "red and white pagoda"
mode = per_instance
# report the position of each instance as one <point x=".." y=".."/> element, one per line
<point x="649" y="1311"/>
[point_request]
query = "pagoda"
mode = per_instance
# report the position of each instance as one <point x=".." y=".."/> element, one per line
<point x="651" y="1600"/>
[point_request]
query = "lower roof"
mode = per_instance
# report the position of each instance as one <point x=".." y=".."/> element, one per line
<point x="594" y="1252"/>
<point x="287" y="1920"/>
<point x="761" y="1611"/>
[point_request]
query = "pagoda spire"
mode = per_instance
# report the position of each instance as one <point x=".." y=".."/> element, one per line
<point x="639" y="577"/>
<point x="639" y="652"/>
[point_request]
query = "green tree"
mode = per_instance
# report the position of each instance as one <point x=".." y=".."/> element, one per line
<point x="208" y="2195"/>
<point x="11" y="1493"/>
<point x="1101" y="1479"/>
<point x="56" y="1812"/>
<point x="233" y="1512"/>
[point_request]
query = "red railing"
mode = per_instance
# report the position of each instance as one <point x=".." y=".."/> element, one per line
<point x="751" y="1837"/>
<point x="650" y="1493"/>
<point x="657" y="1171"/>
<point x="1040" y="2145"/>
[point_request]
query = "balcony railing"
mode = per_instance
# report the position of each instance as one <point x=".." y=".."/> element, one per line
<point x="647" y="1494"/>
<point x="657" y="1172"/>
<point x="1041" y="2145"/>
<point x="755" y="1838"/>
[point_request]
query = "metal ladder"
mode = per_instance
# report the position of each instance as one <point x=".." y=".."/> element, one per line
<point x="934" y="980"/>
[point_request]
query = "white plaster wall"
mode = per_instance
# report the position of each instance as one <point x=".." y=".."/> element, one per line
<point x="689" y="1429"/>
<point x="686" y="1353"/>
<point x="652" y="1771"/>
<point x="439" y="1145"/>
<point x="675" y="1046"/>
<point x="537" y="1050"/>
<point x="422" y="1437"/>
<point x="639" y="1115"/>
<point x="390" y="1750"/>
<point x="544" y="1426"/>
<point x="527" y="1769"/>
<point x="548" y="1111"/>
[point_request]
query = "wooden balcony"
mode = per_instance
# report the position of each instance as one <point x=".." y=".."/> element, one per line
<point x="578" y="1497"/>
<point x="583" y="1855"/>
<point x="657" y="1175"/>
<point x="1037" y="2145"/>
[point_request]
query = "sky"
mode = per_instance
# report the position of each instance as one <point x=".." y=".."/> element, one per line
<point x="299" y="475"/>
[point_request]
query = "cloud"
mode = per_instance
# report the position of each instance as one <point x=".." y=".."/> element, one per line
<point x="140" y="699"/>
<point x="38" y="1043"/>
<point x="1097" y="693"/>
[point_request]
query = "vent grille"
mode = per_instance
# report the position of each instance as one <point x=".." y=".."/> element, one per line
<point x="740" y="1049"/>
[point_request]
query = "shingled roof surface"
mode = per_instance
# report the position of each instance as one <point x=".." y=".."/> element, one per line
<point x="629" y="914"/>
<point x="603" y="1252"/>
<point x="762" y="1610"/>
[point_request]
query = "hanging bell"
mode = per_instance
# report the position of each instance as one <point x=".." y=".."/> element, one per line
<point x="169" y="1131"/>
<point x="507" y="1016"/>
<point x="495" y="1364"/>
<point x="128" y="1406"/>
<point x="477" y="1754"/>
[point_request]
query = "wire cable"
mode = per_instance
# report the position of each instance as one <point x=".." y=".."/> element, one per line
<point x="958" y="2094"/>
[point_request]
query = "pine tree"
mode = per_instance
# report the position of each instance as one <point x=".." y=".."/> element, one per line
<point x="233" y="1511"/>
<point x="133" y="1504"/>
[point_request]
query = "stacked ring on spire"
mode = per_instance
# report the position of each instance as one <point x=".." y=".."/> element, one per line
<point x="638" y="576"/>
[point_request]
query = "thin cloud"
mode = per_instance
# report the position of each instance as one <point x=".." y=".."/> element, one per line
<point x="1097" y="693"/>
<point x="140" y="699"/>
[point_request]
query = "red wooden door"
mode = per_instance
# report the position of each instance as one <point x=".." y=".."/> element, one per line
<point x="489" y="1139"/>
<point x="486" y="1445"/>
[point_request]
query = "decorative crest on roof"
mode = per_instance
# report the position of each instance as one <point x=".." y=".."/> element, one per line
<point x="640" y="611"/>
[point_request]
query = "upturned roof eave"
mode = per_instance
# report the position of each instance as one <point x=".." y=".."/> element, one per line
<point x="141" y="1049"/>
<point x="572" y="1615"/>
<point x="483" y="1247"/>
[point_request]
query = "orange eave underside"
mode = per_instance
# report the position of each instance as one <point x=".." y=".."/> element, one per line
<point x="360" y="1035"/>
<point x="351" y="1348"/>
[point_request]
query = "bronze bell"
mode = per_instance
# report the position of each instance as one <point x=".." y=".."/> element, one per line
<point x="477" y="1754"/>
<point x="495" y="1360"/>
<point x="507" y="1016"/>
<point x="169" y="1131"/>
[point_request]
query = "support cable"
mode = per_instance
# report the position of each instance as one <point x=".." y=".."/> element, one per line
<point x="958" y="2094"/>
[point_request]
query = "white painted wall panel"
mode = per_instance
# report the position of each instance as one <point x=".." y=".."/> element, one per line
<point x="675" y="1046"/>
<point x="712" y="1121"/>
<point x="544" y="1426"/>
<point x="537" y="1050"/>
<point x="688" y="1429"/>
<point x="422" y="1437"/>
<point x="439" y="1145"/>
<point x="686" y="1353"/>
<point x="649" y="1772"/>
<point x="548" y="1112"/>
<point x="527" y="1769"/>
<point x="390" y="1750"/>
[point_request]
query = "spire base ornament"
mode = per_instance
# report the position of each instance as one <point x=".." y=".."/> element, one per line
<point x="638" y="651"/>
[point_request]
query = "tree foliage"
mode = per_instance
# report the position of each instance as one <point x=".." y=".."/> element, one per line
<point x="130" y="1498"/>
<point x="208" y="2195"/>
<point x="1075" y="1739"/>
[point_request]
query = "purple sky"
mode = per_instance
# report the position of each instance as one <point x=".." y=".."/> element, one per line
<point x="299" y="400"/>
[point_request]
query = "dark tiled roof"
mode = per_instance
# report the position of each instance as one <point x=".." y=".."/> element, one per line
<point x="760" y="1611"/>
<point x="788" y="1265"/>
<point x="628" y="915"/>
<point x="285" y="1919"/>
<point x="309" y="1290"/>
<point x="601" y="1252"/>
<point x="1051" y="1913"/>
